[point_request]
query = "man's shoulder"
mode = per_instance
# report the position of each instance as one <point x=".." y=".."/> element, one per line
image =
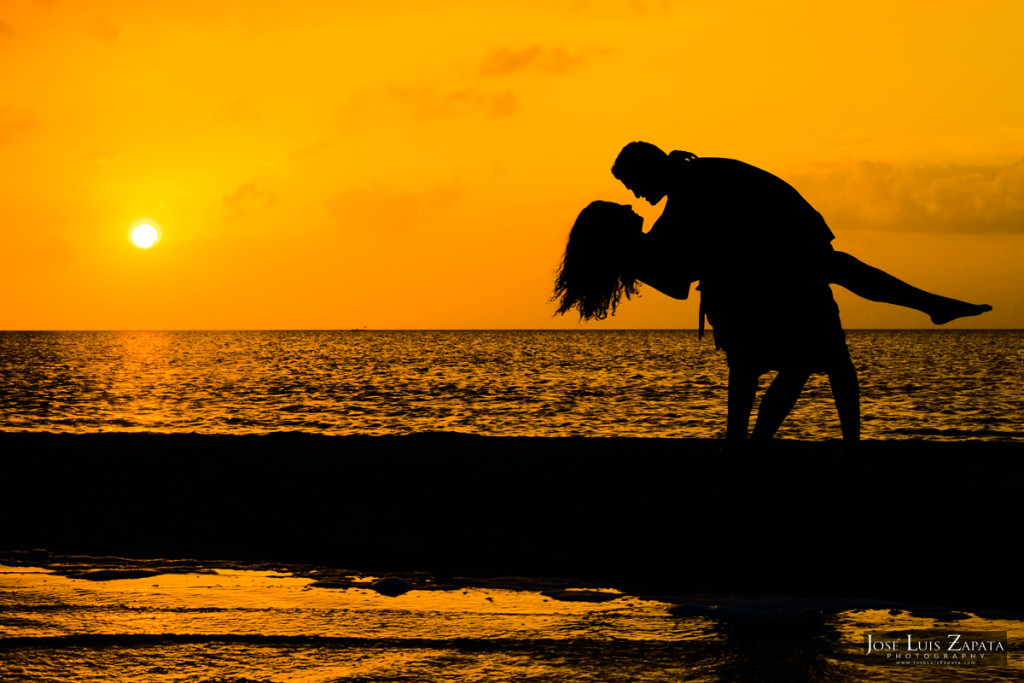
<point x="718" y="163"/>
<point x="718" y="173"/>
<point x="684" y="164"/>
<point x="698" y="178"/>
<point x="679" y="156"/>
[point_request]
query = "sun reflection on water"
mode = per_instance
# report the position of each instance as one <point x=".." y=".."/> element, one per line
<point x="936" y="385"/>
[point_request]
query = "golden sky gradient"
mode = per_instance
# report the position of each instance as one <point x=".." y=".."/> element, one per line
<point x="418" y="165"/>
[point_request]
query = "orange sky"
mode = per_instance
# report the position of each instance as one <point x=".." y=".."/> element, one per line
<point x="331" y="165"/>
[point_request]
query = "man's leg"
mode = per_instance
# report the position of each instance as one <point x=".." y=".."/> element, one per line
<point x="877" y="285"/>
<point x="742" y="388"/>
<point x="777" y="402"/>
<point x="842" y="376"/>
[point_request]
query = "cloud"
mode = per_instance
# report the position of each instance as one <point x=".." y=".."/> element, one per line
<point x="315" y="149"/>
<point x="104" y="32"/>
<point x="427" y="103"/>
<point x="98" y="155"/>
<point x="240" y="110"/>
<point x="506" y="61"/>
<point x="13" y="124"/>
<point x="555" y="61"/>
<point x="7" y="32"/>
<point x="953" y="199"/>
<point x="380" y="211"/>
<point x="643" y="7"/>
<point x="475" y="97"/>
<point x="246" y="198"/>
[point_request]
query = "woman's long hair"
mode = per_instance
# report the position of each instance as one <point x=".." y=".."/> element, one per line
<point x="593" y="275"/>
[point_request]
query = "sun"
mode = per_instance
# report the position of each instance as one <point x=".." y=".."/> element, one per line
<point x="144" y="235"/>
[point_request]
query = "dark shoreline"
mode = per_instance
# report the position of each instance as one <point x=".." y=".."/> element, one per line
<point x="909" y="520"/>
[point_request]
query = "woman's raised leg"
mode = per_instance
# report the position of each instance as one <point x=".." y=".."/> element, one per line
<point x="873" y="284"/>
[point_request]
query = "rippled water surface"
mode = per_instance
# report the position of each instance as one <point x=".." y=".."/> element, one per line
<point x="942" y="384"/>
<point x="241" y="625"/>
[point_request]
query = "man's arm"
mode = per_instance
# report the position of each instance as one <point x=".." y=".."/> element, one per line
<point x="666" y="259"/>
<point x="664" y="268"/>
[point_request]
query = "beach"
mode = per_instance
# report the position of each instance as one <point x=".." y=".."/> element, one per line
<point x="904" y="520"/>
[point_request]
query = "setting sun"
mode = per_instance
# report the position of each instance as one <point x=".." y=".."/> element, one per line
<point x="144" y="235"/>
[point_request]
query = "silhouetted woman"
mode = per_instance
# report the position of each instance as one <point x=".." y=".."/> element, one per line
<point x="763" y="321"/>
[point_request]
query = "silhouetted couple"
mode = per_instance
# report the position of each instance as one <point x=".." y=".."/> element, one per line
<point x="764" y="260"/>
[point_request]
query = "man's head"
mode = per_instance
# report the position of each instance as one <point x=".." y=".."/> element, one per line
<point x="644" y="169"/>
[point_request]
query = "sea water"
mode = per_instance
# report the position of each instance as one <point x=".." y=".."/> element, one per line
<point x="241" y="625"/>
<point x="936" y="384"/>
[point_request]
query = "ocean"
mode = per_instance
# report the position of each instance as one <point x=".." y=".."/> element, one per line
<point x="231" y="624"/>
<point x="935" y="384"/>
<point x="164" y="617"/>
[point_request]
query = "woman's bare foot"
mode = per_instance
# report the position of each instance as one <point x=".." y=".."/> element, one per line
<point x="951" y="309"/>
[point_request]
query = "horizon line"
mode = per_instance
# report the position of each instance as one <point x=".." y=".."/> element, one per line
<point x="934" y="328"/>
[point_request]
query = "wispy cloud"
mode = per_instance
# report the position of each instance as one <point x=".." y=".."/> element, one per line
<point x="882" y="196"/>
<point x="474" y="93"/>
<point x="14" y="123"/>
<point x="426" y="103"/>
<point x="7" y="32"/>
<point x="98" y="155"/>
<point x="240" y="110"/>
<point x="644" y="7"/>
<point x="555" y="61"/>
<point x="248" y="197"/>
<point x="316" y="148"/>
<point x="380" y="211"/>
<point x="104" y="32"/>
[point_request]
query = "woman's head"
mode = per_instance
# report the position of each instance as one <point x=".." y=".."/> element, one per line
<point x="594" y="274"/>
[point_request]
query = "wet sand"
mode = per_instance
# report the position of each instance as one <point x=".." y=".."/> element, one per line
<point x="906" y="520"/>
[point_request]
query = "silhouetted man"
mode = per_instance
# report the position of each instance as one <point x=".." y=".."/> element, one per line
<point x="735" y="219"/>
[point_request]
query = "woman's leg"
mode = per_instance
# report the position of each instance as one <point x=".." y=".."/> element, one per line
<point x="777" y="402"/>
<point x="742" y="388"/>
<point x="877" y="285"/>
